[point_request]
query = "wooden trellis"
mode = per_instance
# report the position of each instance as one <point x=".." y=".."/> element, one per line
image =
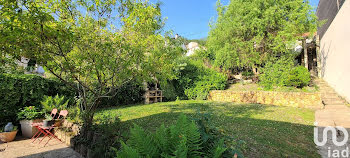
<point x="153" y="94"/>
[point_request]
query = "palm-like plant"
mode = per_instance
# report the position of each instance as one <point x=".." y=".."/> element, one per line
<point x="57" y="102"/>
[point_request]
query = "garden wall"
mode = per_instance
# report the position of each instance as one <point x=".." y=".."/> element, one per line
<point x="67" y="132"/>
<point x="293" y="99"/>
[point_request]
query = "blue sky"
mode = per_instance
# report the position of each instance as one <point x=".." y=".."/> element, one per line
<point x="190" y="18"/>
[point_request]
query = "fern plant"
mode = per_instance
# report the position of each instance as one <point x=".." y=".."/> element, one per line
<point x="57" y="102"/>
<point x="213" y="141"/>
<point x="180" y="140"/>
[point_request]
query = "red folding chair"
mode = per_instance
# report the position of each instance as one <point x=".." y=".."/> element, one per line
<point x="36" y="125"/>
<point x="47" y="130"/>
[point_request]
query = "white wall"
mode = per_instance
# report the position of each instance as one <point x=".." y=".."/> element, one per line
<point x="335" y="52"/>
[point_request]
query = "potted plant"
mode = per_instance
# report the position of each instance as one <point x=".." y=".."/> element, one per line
<point x="49" y="121"/>
<point x="8" y="136"/>
<point x="57" y="102"/>
<point x="28" y="116"/>
<point x="58" y="122"/>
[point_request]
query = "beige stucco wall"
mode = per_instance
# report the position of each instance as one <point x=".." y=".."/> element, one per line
<point x="335" y="53"/>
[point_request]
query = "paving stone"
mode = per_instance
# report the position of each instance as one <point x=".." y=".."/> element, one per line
<point x="24" y="148"/>
<point x="335" y="113"/>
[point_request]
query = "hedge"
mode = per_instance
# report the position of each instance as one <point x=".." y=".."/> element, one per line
<point x="18" y="91"/>
<point x="130" y="93"/>
<point x="193" y="81"/>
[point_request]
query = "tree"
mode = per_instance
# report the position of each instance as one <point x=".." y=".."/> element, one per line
<point x="80" y="43"/>
<point x="247" y="33"/>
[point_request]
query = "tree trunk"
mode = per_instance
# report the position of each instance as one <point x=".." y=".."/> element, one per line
<point x="306" y="61"/>
<point x="88" y="117"/>
<point x="318" y="56"/>
<point x="255" y="71"/>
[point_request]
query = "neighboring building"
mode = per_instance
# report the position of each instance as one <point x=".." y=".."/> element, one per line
<point x="191" y="48"/>
<point x="34" y="69"/>
<point x="334" y="45"/>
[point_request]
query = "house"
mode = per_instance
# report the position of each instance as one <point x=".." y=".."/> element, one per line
<point x="191" y="48"/>
<point x="30" y="67"/>
<point x="334" y="45"/>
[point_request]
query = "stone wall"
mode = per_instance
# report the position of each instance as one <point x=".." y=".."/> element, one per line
<point x="293" y="99"/>
<point x="67" y="131"/>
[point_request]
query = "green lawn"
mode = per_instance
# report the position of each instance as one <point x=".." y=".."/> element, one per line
<point x="268" y="131"/>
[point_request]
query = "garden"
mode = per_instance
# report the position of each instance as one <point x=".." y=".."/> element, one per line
<point x="97" y="70"/>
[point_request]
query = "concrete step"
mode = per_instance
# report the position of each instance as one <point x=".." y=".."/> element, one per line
<point x="326" y="89"/>
<point x="331" y="92"/>
<point x="337" y="108"/>
<point x="328" y="97"/>
<point x="322" y="84"/>
<point x="333" y="102"/>
<point x="332" y="99"/>
<point x="328" y="94"/>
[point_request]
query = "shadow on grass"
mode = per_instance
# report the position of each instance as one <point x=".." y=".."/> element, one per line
<point x="263" y="137"/>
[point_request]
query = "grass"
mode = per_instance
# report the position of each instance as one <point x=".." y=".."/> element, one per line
<point x="268" y="131"/>
<point x="256" y="87"/>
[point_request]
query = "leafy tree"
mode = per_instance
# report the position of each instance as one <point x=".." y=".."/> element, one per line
<point x="247" y="33"/>
<point x="94" y="46"/>
<point x="193" y="80"/>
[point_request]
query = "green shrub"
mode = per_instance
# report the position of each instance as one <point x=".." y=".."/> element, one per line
<point x="18" y="91"/>
<point x="298" y="77"/>
<point x="276" y="72"/>
<point x="180" y="140"/>
<point x="130" y="93"/>
<point x="170" y="92"/>
<point x="212" y="80"/>
<point x="8" y="64"/>
<point x="57" y="102"/>
<point x="281" y="72"/>
<point x="75" y="112"/>
<point x="29" y="113"/>
<point x="247" y="73"/>
<point x="194" y="80"/>
<point x="104" y="136"/>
